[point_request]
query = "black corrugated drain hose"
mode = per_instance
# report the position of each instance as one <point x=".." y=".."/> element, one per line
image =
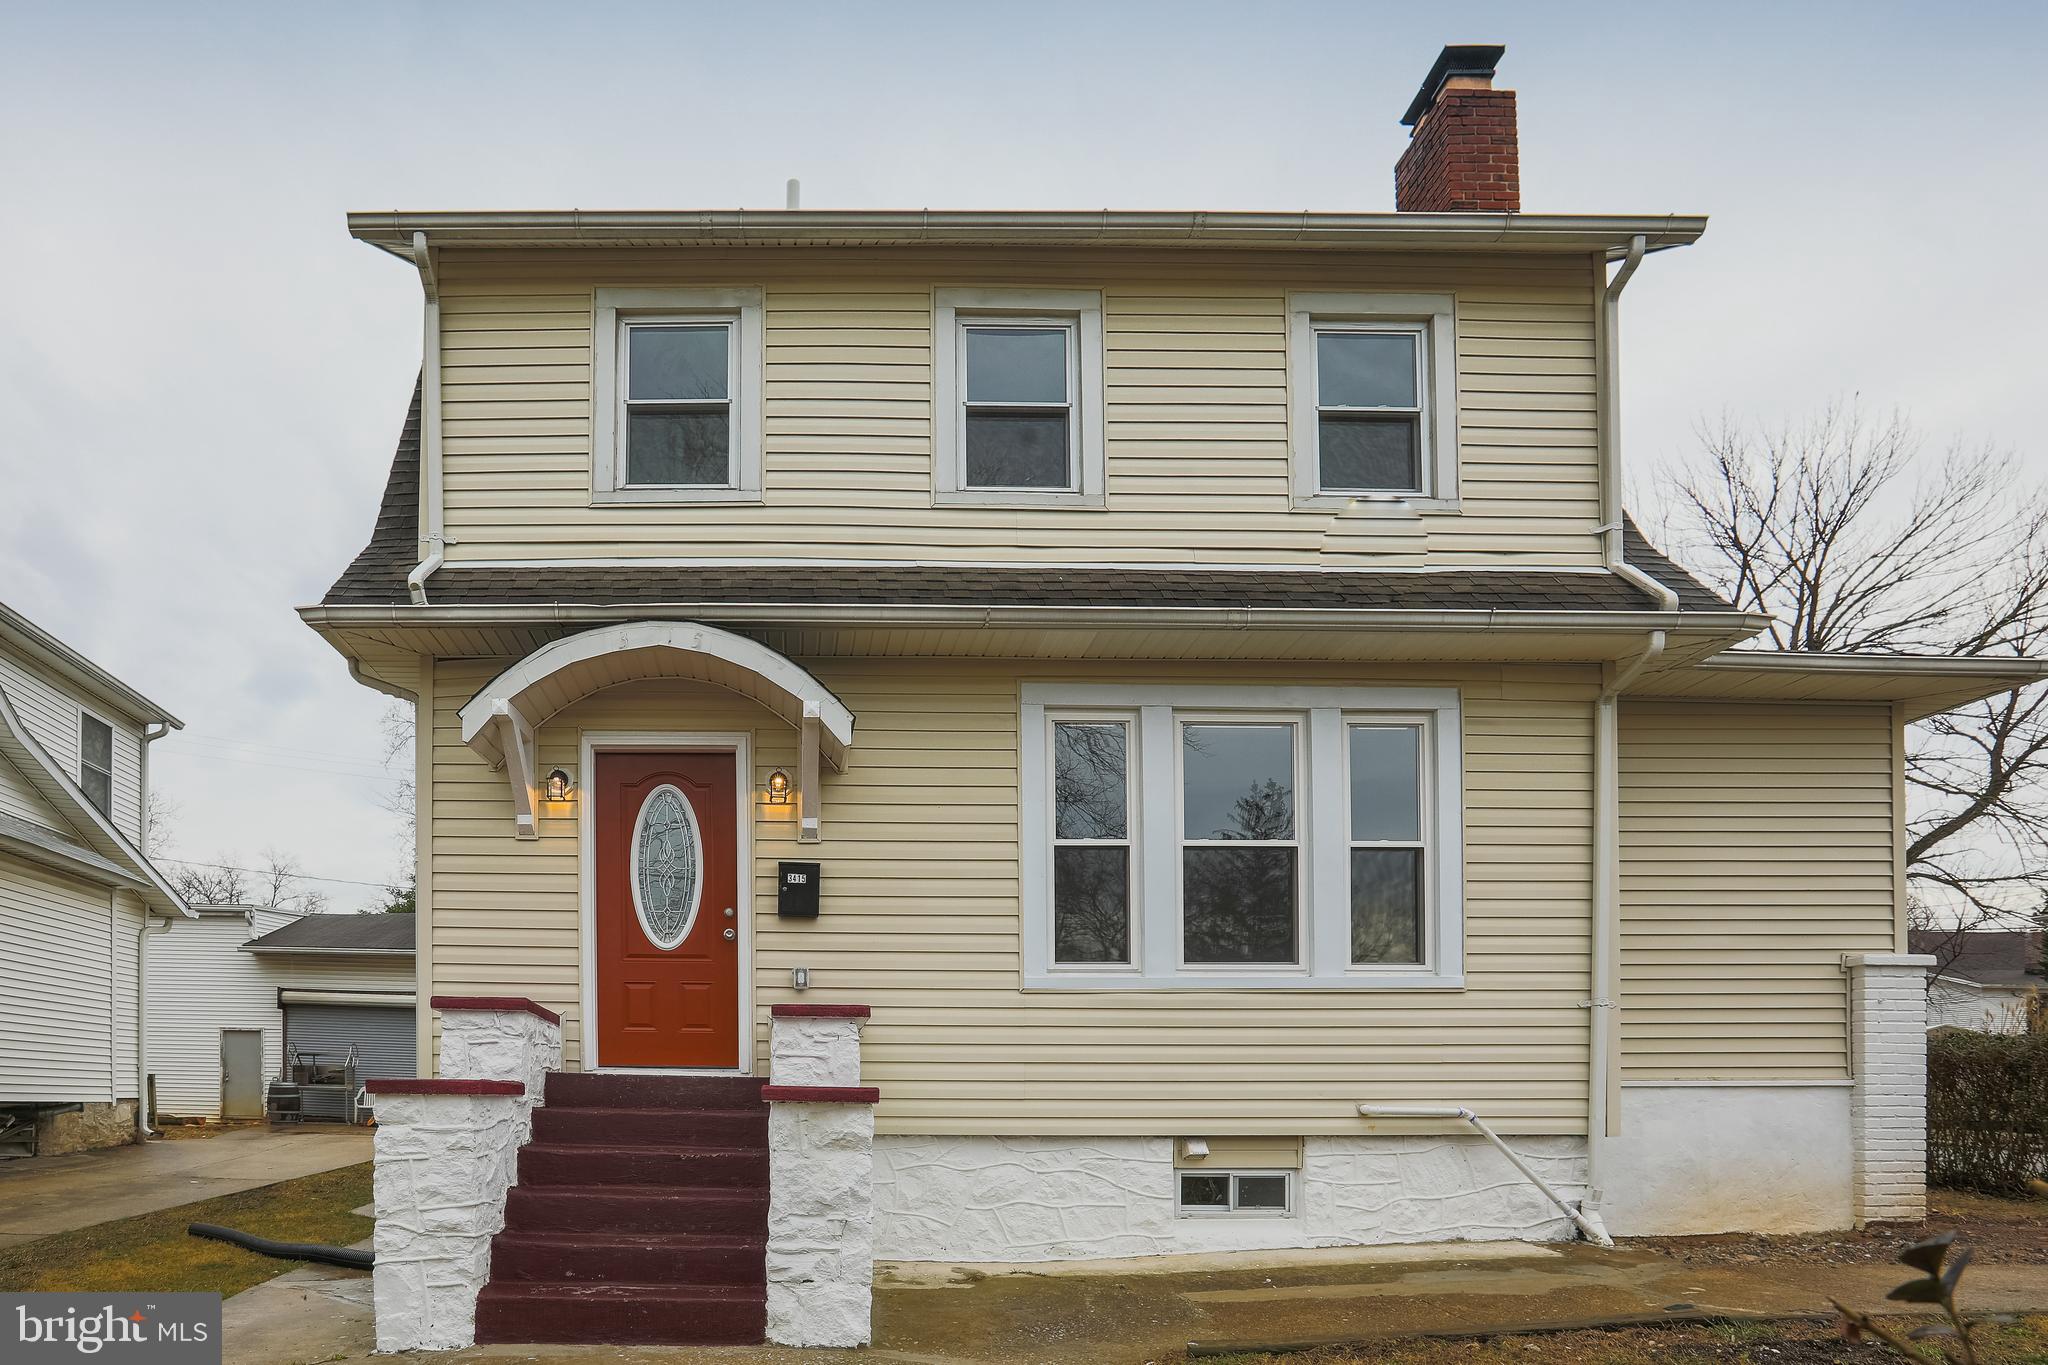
<point x="349" y="1257"/>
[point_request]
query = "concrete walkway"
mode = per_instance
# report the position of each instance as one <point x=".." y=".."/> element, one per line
<point x="42" y="1195"/>
<point x="1113" y="1312"/>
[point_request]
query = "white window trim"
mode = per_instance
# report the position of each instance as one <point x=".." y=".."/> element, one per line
<point x="741" y="305"/>
<point x="1438" y="462"/>
<point x="1080" y="307"/>
<point x="1182" y="1210"/>
<point x="1322" y="817"/>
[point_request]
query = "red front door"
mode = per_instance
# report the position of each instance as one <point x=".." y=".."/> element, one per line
<point x="668" y="955"/>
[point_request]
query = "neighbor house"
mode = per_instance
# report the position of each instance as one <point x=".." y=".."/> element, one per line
<point x="239" y="992"/>
<point x="1987" y="980"/>
<point x="79" y="900"/>
<point x="1152" y="726"/>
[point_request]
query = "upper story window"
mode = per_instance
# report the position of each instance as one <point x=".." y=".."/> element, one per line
<point x="676" y="413"/>
<point x="1017" y="384"/>
<point x="96" y="762"/>
<point x="677" y="402"/>
<point x="1214" y="837"/>
<point x="1374" y="413"/>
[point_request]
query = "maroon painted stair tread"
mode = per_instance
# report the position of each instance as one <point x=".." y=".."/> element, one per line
<point x="623" y="1314"/>
<point x="640" y="1216"/>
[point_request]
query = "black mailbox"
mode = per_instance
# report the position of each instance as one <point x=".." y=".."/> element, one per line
<point x="796" y="891"/>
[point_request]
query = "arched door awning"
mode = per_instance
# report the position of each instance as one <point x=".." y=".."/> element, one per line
<point x="500" y="721"/>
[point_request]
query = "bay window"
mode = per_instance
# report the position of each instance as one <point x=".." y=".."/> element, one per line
<point x="1211" y="837"/>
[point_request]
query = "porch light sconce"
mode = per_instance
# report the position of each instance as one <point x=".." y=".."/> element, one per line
<point x="558" y="786"/>
<point x="778" y="788"/>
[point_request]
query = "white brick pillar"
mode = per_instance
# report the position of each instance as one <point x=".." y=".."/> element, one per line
<point x="821" y="1178"/>
<point x="1888" y="1111"/>
<point x="501" y="1038"/>
<point x="447" y="1150"/>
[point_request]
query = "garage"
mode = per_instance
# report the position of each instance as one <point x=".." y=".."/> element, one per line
<point x="326" y="1030"/>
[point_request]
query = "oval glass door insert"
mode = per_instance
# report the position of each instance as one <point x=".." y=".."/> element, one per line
<point x="668" y="867"/>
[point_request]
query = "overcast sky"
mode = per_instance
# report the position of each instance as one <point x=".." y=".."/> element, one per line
<point x="201" y="376"/>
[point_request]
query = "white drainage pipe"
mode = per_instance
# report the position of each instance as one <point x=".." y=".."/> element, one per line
<point x="1588" y="1223"/>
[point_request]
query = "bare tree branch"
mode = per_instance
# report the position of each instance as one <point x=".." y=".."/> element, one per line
<point x="1851" y="539"/>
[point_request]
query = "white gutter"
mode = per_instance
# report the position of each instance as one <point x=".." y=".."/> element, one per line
<point x="394" y="232"/>
<point x="1585" y="1220"/>
<point x="1743" y="624"/>
<point x="432" y="540"/>
<point x="1603" y="1023"/>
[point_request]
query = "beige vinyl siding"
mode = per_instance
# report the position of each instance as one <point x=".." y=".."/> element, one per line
<point x="1196" y="408"/>
<point x="64" y="990"/>
<point x="921" y="920"/>
<point x="1758" y="847"/>
<point x="201" y="982"/>
<point x="51" y="712"/>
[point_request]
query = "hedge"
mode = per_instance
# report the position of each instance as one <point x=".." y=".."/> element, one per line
<point x="1987" y="1110"/>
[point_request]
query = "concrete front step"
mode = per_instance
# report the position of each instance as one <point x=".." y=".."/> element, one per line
<point x="623" y="1258"/>
<point x="621" y="1314"/>
<point x="555" y="1164"/>
<point x="627" y="1127"/>
<point x="658" y="1209"/>
<point x="627" y="1090"/>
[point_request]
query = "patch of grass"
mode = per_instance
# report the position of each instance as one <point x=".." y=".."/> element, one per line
<point x="153" y="1252"/>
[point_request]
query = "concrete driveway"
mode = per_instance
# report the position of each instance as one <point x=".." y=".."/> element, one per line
<point x="42" y="1195"/>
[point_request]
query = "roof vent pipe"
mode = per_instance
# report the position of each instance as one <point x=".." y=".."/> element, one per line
<point x="793" y="195"/>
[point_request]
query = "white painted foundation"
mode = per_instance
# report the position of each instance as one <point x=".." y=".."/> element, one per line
<point x="1729" y="1158"/>
<point x="1058" y="1198"/>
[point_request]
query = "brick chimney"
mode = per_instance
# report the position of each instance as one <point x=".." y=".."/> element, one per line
<point x="1462" y="154"/>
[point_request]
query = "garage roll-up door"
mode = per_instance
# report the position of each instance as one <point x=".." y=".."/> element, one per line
<point x="382" y="1036"/>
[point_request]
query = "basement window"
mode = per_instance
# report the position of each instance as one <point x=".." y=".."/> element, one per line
<point x="96" y="762"/>
<point x="1262" y="1194"/>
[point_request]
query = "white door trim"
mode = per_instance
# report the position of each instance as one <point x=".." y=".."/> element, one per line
<point x="739" y="744"/>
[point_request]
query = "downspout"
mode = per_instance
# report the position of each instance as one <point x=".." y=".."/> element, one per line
<point x="149" y="922"/>
<point x="150" y="735"/>
<point x="1582" y="1217"/>
<point x="432" y="539"/>
<point x="1608" y="424"/>
<point x="1603" y="1024"/>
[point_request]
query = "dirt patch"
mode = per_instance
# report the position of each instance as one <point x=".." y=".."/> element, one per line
<point x="1745" y="1343"/>
<point x="2007" y="1231"/>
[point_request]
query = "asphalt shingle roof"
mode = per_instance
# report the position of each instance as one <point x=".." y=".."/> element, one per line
<point x="1989" y="957"/>
<point x="340" y="934"/>
<point x="377" y="578"/>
